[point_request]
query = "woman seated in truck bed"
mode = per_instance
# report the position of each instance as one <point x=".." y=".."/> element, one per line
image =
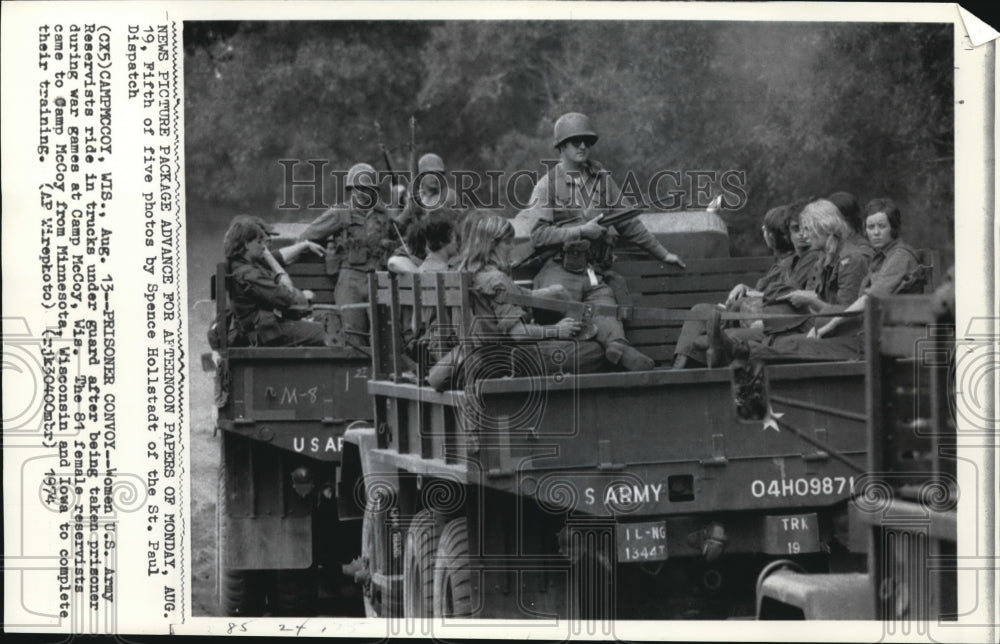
<point x="893" y="270"/>
<point x="794" y="261"/>
<point x="496" y="324"/>
<point x="265" y="306"/>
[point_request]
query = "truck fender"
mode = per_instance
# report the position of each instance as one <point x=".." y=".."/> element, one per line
<point x="359" y="440"/>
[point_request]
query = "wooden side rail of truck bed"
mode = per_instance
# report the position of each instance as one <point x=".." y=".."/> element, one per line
<point x="904" y="513"/>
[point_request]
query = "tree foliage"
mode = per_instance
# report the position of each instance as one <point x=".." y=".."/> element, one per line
<point x="803" y="109"/>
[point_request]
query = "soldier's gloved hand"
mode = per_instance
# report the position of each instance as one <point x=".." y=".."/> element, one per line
<point x="566" y="328"/>
<point x="670" y="258"/>
<point x="592" y="230"/>
<point x="309" y="295"/>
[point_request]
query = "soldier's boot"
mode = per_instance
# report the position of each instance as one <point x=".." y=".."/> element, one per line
<point x="625" y="355"/>
<point x="722" y="348"/>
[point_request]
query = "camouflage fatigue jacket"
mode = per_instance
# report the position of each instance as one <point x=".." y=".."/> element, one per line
<point x="563" y="200"/>
<point x="355" y="238"/>
<point x="255" y="295"/>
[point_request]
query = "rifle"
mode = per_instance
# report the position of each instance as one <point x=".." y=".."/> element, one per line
<point x="408" y="208"/>
<point x="395" y="181"/>
<point x="542" y="255"/>
<point x="621" y="217"/>
<point x="385" y="152"/>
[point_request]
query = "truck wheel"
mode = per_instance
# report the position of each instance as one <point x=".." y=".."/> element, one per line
<point x="453" y="574"/>
<point x="241" y="592"/>
<point x="294" y="593"/>
<point x="418" y="566"/>
<point x="367" y="561"/>
<point x="377" y="564"/>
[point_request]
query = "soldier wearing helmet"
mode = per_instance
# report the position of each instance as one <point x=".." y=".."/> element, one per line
<point x="432" y="195"/>
<point x="359" y="238"/>
<point x="567" y="203"/>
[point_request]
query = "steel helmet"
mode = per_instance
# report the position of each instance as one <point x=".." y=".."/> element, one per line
<point x="430" y="162"/>
<point x="361" y="175"/>
<point x="570" y="125"/>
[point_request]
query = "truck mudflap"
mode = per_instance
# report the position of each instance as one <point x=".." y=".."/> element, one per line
<point x="267" y="524"/>
<point x="358" y="442"/>
<point x="269" y="543"/>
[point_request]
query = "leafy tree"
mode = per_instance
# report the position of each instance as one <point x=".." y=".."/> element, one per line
<point x="802" y="109"/>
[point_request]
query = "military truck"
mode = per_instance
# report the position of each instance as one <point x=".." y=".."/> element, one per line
<point x="613" y="495"/>
<point x="281" y="420"/>
<point x="903" y="512"/>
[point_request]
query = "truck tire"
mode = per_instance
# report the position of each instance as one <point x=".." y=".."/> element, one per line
<point x="294" y="593"/>
<point x="241" y="592"/>
<point x="372" y="603"/>
<point x="453" y="574"/>
<point x="418" y="566"/>
<point x="376" y="559"/>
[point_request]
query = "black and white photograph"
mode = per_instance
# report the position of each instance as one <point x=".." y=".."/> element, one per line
<point x="572" y="319"/>
<point x="491" y="319"/>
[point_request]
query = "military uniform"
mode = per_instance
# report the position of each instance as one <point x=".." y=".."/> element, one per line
<point x="799" y="271"/>
<point x="561" y="204"/>
<point x="787" y="274"/>
<point x="490" y="351"/>
<point x="358" y="243"/>
<point x="893" y="269"/>
<point x="444" y="201"/>
<point x="260" y="305"/>
<point x="839" y="282"/>
<point x="444" y="204"/>
<point x="434" y="264"/>
<point x="494" y="321"/>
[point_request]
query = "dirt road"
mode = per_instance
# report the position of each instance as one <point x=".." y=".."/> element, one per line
<point x="204" y="250"/>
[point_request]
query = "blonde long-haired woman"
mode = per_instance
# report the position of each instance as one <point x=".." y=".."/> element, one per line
<point x="844" y="265"/>
<point x="487" y="255"/>
<point x="894" y="269"/>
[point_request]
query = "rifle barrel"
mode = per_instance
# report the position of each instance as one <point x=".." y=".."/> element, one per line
<point x="542" y="255"/>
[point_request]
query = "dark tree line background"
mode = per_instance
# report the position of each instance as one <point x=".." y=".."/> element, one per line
<point x="804" y="109"/>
